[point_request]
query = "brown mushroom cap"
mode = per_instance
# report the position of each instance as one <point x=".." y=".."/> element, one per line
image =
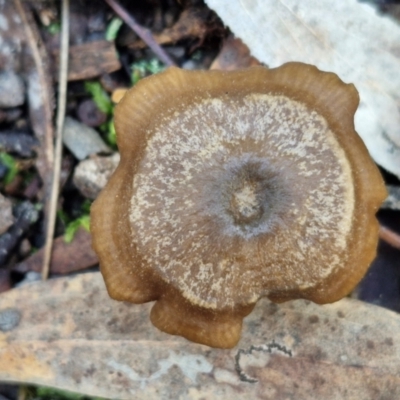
<point x="234" y="186"/>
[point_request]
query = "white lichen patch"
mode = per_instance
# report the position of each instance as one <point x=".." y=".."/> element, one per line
<point x="190" y="364"/>
<point x="269" y="159"/>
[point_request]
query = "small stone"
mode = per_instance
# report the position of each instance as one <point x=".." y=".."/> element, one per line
<point x="82" y="140"/>
<point x="18" y="142"/>
<point x="90" y="114"/>
<point x="191" y="65"/>
<point x="6" y="216"/>
<point x="92" y="175"/>
<point x="12" y="90"/>
<point x="31" y="276"/>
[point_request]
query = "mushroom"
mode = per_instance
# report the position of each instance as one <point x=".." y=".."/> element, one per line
<point x="234" y="186"/>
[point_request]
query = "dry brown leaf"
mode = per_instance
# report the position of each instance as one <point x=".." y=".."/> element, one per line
<point x="65" y="257"/>
<point x="233" y="55"/>
<point x="192" y="23"/>
<point x="89" y="60"/>
<point x="69" y="334"/>
<point x="347" y="37"/>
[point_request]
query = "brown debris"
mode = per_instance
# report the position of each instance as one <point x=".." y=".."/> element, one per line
<point x="118" y="94"/>
<point x="66" y="257"/>
<point x="89" y="60"/>
<point x="234" y="55"/>
<point x="193" y="23"/>
<point x="5" y="283"/>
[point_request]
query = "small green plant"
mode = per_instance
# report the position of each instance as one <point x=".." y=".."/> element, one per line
<point x="73" y="226"/>
<point x="197" y="55"/>
<point x="144" y="68"/>
<point x="103" y="102"/>
<point x="63" y="217"/>
<point x="12" y="166"/>
<point x="108" y="129"/>
<point x="45" y="393"/>
<point x="54" y="28"/>
<point x="54" y="394"/>
<point x="85" y="206"/>
<point x="99" y="96"/>
<point x="113" y="28"/>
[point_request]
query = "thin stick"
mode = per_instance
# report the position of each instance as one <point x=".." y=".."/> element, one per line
<point x="62" y="101"/>
<point x="45" y="132"/>
<point x="142" y="32"/>
<point x="389" y="237"/>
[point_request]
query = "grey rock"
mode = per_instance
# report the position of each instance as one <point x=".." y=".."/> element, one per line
<point x="82" y="140"/>
<point x="91" y="175"/>
<point x="31" y="276"/>
<point x="21" y="143"/>
<point x="12" y="90"/>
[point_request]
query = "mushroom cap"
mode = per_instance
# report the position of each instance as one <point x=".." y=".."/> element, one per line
<point x="234" y="186"/>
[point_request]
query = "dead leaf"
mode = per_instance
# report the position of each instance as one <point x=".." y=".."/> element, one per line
<point x="193" y="23"/>
<point x="69" y="334"/>
<point x="233" y="55"/>
<point x="118" y="94"/>
<point x="89" y="60"/>
<point x="65" y="257"/>
<point x="347" y="37"/>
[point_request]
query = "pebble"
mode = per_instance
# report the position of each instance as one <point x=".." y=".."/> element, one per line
<point x="21" y="143"/>
<point x="82" y="140"/>
<point x="31" y="276"/>
<point x="89" y="114"/>
<point x="12" y="90"/>
<point x="91" y="175"/>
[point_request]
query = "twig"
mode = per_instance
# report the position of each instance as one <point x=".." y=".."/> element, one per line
<point x="142" y="32"/>
<point x="389" y="237"/>
<point x="62" y="100"/>
<point x="45" y="92"/>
